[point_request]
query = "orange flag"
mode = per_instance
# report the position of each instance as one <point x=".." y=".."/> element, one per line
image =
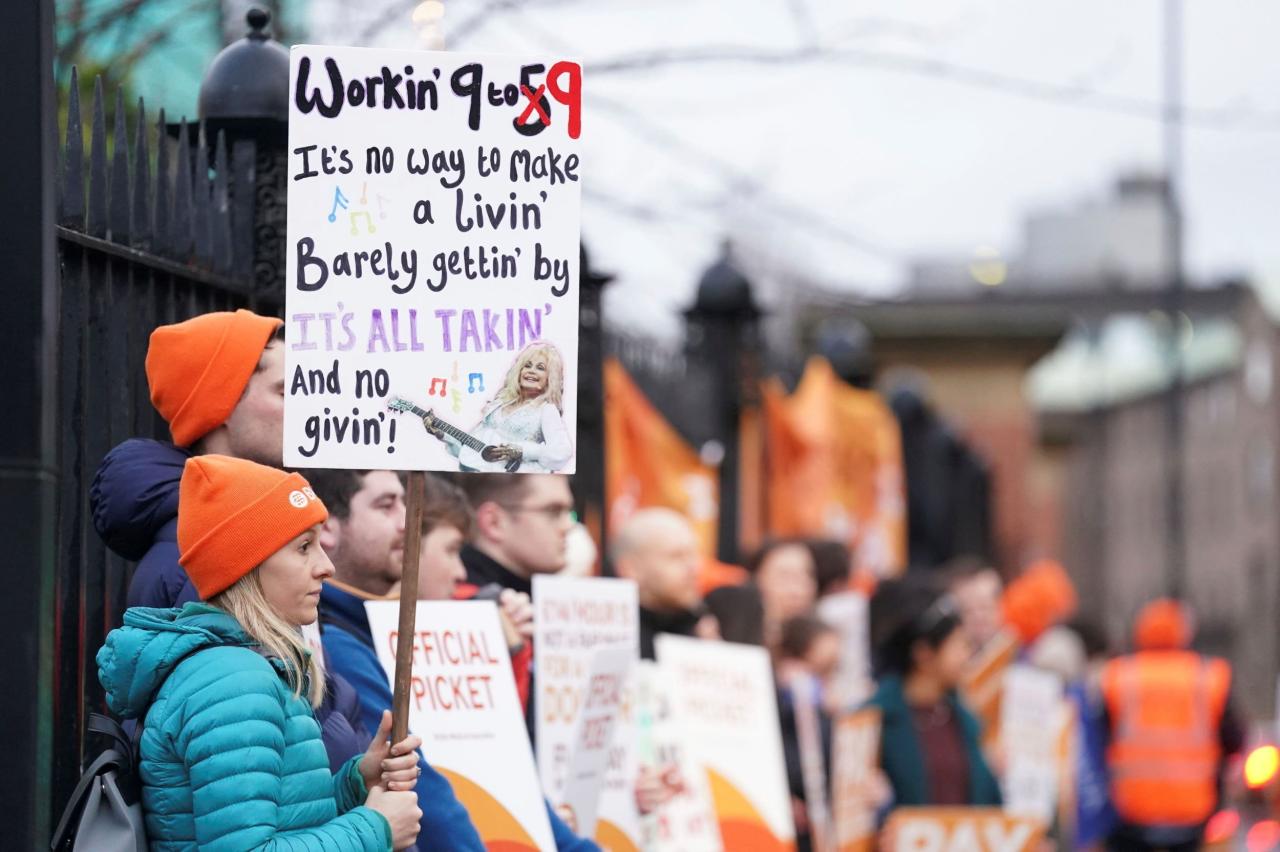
<point x="835" y="468"/>
<point x="647" y="463"/>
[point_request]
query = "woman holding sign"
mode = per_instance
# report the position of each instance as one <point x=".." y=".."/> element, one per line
<point x="523" y="425"/>
<point x="224" y="689"/>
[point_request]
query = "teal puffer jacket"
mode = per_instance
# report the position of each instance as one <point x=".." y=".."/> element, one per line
<point x="230" y="759"/>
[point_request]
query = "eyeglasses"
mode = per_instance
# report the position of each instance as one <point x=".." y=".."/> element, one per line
<point x="552" y="514"/>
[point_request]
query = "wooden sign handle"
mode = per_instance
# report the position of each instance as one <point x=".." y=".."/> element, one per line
<point x="413" y="500"/>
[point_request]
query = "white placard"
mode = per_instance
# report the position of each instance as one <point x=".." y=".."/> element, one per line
<point x="575" y="618"/>
<point x="431" y="256"/>
<point x="806" y="692"/>
<point x="465" y="707"/>
<point x="855" y="754"/>
<point x="847" y="613"/>
<point x="686" y="821"/>
<point x="1031" y="720"/>
<point x="726" y="703"/>
<point x="593" y="738"/>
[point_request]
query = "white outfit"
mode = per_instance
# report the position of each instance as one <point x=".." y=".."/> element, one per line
<point x="538" y="430"/>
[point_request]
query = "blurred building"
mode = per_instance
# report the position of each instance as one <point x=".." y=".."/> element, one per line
<point x="1101" y="399"/>
<point x="1119" y="242"/>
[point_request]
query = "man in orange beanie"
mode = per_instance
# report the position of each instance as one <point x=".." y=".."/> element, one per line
<point x="218" y="382"/>
<point x="1171" y="726"/>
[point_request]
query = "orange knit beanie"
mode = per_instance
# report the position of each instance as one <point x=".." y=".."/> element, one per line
<point x="1042" y="596"/>
<point x="1163" y="625"/>
<point x="197" y="370"/>
<point x="233" y="514"/>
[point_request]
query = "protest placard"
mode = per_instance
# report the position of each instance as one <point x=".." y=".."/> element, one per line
<point x="805" y="694"/>
<point x="619" y="827"/>
<point x="847" y="613"/>
<point x="575" y="618"/>
<point x="686" y="819"/>
<point x="961" y="830"/>
<point x="983" y="683"/>
<point x="855" y="755"/>
<point x="465" y="707"/>
<point x="601" y="705"/>
<point x="726" y="704"/>
<point x="1033" y="714"/>
<point x="432" y="260"/>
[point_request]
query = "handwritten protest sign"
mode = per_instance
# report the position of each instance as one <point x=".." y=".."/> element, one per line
<point x="847" y="613"/>
<point x="725" y="700"/>
<point x="576" y="618"/>
<point x="961" y="830"/>
<point x="1032" y="717"/>
<point x="686" y="820"/>
<point x="432" y="257"/>
<point x="465" y="707"/>
<point x="855" y="755"/>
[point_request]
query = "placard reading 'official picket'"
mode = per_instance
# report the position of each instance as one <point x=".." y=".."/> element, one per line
<point x="463" y="703"/>
<point x="725" y="701"/>
<point x="432" y="257"/>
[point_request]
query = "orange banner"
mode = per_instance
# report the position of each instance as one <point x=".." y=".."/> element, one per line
<point x="647" y="463"/>
<point x="835" y="468"/>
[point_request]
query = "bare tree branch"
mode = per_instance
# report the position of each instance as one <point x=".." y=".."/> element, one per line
<point x="1039" y="90"/>
<point x="122" y="21"/>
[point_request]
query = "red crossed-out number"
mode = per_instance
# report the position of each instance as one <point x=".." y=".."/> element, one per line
<point x="535" y="105"/>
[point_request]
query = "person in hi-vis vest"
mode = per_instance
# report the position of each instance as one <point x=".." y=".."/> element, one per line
<point x="1171" y="726"/>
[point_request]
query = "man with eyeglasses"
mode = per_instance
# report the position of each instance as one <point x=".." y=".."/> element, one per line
<point x="522" y="529"/>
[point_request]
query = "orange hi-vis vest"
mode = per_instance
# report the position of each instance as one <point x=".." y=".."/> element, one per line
<point x="1165" y="709"/>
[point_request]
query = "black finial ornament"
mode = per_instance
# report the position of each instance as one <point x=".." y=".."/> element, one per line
<point x="258" y="19"/>
<point x="248" y="82"/>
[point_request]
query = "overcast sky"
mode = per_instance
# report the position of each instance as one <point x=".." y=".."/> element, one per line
<point x="918" y="144"/>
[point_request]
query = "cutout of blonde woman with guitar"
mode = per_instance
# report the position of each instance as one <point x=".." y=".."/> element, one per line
<point x="522" y="427"/>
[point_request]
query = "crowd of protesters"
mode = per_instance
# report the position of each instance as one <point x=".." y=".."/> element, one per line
<point x="249" y="738"/>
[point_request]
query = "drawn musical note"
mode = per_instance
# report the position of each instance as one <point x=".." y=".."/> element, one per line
<point x="339" y="200"/>
<point x="474" y="379"/>
<point x="455" y="372"/>
<point x="382" y="214"/>
<point x="457" y="400"/>
<point x="364" y="194"/>
<point x="438" y="382"/>
<point x="372" y="228"/>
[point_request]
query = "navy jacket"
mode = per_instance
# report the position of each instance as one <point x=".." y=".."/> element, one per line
<point x="348" y="642"/>
<point x="134" y="500"/>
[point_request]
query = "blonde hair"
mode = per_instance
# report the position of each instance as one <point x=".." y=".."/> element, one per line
<point x="245" y="602"/>
<point x="554" y="392"/>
